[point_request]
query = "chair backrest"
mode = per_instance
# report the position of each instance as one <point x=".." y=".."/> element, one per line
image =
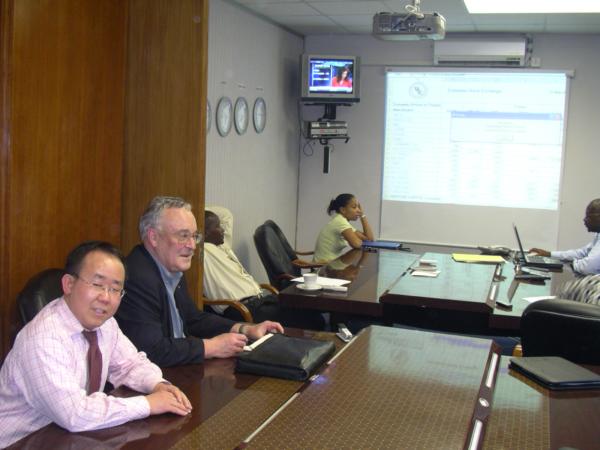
<point x="562" y="328"/>
<point x="582" y="289"/>
<point x="226" y="219"/>
<point x="286" y="244"/>
<point x="274" y="252"/>
<point x="40" y="290"/>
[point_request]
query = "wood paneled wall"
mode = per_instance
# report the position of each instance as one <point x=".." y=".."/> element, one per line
<point x="63" y="71"/>
<point x="101" y="108"/>
<point x="165" y="111"/>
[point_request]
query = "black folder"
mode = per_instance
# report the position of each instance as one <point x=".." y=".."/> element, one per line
<point x="282" y="356"/>
<point x="556" y="373"/>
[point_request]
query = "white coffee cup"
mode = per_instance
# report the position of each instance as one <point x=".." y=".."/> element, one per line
<point x="310" y="280"/>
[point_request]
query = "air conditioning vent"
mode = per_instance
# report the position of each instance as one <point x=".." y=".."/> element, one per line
<point x="496" y="52"/>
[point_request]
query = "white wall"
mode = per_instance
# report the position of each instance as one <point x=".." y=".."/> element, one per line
<point x="356" y="166"/>
<point x="254" y="175"/>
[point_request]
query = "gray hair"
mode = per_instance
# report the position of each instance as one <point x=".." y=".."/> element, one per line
<point x="153" y="211"/>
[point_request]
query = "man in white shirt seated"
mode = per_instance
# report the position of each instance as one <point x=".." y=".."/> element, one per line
<point x="61" y="360"/>
<point x="584" y="260"/>
<point x="226" y="278"/>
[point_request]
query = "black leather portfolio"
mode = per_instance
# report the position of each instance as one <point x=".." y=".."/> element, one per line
<point x="555" y="373"/>
<point x="282" y="356"/>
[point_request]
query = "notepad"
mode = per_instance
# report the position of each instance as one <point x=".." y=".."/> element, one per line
<point x="469" y="258"/>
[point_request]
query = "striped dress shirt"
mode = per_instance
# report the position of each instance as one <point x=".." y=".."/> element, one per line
<point x="44" y="377"/>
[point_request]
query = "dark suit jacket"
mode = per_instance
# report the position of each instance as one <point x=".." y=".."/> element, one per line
<point x="145" y="317"/>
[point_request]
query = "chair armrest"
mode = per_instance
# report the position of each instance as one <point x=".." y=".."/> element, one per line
<point x="307" y="265"/>
<point x="285" y="276"/>
<point x="270" y="288"/>
<point x="243" y="310"/>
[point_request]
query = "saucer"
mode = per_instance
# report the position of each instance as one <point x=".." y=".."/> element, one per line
<point x="305" y="287"/>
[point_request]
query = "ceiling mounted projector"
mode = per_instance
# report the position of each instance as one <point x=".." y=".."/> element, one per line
<point x="409" y="26"/>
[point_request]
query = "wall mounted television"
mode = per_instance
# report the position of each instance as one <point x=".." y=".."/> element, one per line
<point x="330" y="79"/>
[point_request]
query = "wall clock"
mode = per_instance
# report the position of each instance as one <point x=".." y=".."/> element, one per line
<point x="240" y="115"/>
<point x="259" y="114"/>
<point x="224" y="116"/>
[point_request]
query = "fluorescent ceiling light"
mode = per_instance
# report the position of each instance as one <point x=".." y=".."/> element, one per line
<point x="532" y="6"/>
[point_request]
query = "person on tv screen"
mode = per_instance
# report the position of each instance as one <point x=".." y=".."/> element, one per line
<point x="342" y="78"/>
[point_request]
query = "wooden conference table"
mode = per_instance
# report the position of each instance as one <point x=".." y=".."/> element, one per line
<point x="461" y="298"/>
<point x="388" y="388"/>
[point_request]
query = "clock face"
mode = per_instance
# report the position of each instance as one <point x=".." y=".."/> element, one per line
<point x="224" y="116"/>
<point x="259" y="114"/>
<point x="241" y="115"/>
<point x="208" y="115"/>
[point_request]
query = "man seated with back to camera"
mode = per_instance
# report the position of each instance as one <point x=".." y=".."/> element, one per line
<point x="61" y="360"/>
<point x="157" y="312"/>
<point x="584" y="260"/>
<point x="226" y="278"/>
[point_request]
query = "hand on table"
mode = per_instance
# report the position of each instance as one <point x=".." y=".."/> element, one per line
<point x="168" y="398"/>
<point x="225" y="345"/>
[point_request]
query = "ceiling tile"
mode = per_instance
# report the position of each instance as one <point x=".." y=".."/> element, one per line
<point x="259" y="2"/>
<point x="319" y="21"/>
<point x="353" y="20"/>
<point x="284" y="9"/>
<point x="314" y="16"/>
<point x="346" y="8"/>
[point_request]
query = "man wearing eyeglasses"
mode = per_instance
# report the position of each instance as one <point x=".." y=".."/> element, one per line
<point x="61" y="360"/>
<point x="584" y="260"/>
<point x="157" y="312"/>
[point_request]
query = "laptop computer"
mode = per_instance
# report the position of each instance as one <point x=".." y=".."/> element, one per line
<point x="536" y="260"/>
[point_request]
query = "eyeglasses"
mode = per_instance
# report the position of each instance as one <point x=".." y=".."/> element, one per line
<point x="183" y="237"/>
<point x="101" y="288"/>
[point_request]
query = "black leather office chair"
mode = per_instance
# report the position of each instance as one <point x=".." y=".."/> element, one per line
<point x="562" y="328"/>
<point x="38" y="292"/>
<point x="277" y="255"/>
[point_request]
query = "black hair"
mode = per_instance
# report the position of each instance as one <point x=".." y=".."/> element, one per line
<point x="339" y="202"/>
<point x="208" y="216"/>
<point x="77" y="255"/>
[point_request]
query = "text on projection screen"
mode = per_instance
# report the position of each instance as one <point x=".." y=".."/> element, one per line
<point x="489" y="139"/>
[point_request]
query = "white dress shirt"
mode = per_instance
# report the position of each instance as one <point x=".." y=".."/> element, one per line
<point x="44" y="377"/>
<point x="225" y="277"/>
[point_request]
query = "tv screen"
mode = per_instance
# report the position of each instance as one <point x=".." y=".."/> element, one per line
<point x="330" y="78"/>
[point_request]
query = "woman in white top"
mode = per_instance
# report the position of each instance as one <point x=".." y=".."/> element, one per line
<point x="339" y="233"/>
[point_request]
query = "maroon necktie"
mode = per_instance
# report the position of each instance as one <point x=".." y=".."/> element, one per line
<point x="94" y="360"/>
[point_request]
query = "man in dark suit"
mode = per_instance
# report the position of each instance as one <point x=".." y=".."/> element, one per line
<point x="157" y="312"/>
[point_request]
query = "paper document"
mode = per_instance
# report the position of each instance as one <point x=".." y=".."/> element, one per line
<point x="425" y="273"/>
<point x="469" y="258"/>
<point x="249" y="348"/>
<point x="325" y="281"/>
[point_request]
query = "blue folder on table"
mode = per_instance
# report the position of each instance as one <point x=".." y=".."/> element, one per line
<point x="388" y="245"/>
